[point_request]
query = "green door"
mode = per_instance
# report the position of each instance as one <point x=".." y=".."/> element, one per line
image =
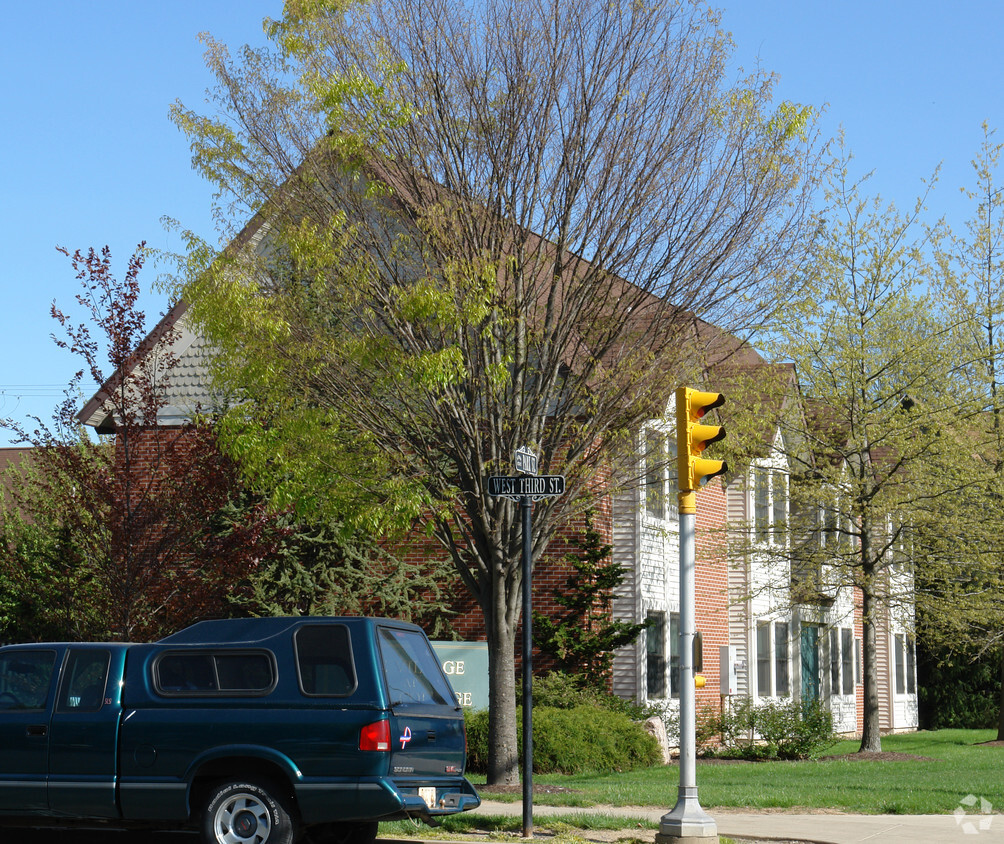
<point x="810" y="662"/>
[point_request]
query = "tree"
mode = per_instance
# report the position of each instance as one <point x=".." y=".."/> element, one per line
<point x="584" y="636"/>
<point x="967" y="612"/>
<point x="316" y="570"/>
<point x="880" y="459"/>
<point x="479" y="227"/>
<point x="48" y="582"/>
<point x="134" y="540"/>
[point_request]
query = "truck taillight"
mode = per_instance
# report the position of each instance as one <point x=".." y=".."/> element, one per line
<point x="375" y="736"/>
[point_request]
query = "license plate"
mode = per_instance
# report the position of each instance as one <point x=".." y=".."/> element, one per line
<point x="428" y="794"/>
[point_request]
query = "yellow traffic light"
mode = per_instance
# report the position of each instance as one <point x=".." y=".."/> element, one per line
<point x="691" y="438"/>
<point x="699" y="681"/>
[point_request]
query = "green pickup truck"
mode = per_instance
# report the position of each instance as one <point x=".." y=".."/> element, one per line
<point x="255" y="731"/>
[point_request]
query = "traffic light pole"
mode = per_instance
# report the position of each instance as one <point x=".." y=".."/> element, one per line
<point x="687" y="821"/>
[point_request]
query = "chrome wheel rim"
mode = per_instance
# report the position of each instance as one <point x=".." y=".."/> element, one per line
<point x="242" y="819"/>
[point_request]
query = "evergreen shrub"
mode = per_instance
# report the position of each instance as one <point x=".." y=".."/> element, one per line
<point x="580" y="739"/>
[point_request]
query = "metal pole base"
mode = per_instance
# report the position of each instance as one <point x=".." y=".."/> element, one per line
<point x="687" y="822"/>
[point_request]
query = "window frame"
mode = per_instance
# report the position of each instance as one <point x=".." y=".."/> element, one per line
<point x="764" y="660"/>
<point x="211" y="654"/>
<point x="847" y="661"/>
<point x="660" y="474"/>
<point x="771" y="505"/>
<point x="69" y="676"/>
<point x="655" y="655"/>
<point x="298" y="648"/>
<point x="674" y="655"/>
<point x="53" y="673"/>
<point x="782" y="658"/>
<point x="905" y="665"/>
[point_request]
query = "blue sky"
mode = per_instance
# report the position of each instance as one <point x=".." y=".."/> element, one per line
<point x="90" y="157"/>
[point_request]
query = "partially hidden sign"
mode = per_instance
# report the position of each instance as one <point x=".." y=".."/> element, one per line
<point x="466" y="667"/>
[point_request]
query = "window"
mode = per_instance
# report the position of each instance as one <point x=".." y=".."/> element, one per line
<point x="244" y="672"/>
<point x="412" y="671"/>
<point x="783" y="686"/>
<point x="655" y="651"/>
<point x="206" y="672"/>
<point x="900" y="665"/>
<point x="674" y="654"/>
<point x="324" y="660"/>
<point x="906" y="669"/>
<point x="847" y="660"/>
<point x="834" y="660"/>
<point x="25" y="677"/>
<point x="84" y="681"/>
<point x="761" y="513"/>
<point x="830" y="535"/>
<point x="660" y="475"/>
<point x="763" y="662"/>
<point x="655" y="474"/>
<point x="858" y="671"/>
<point x="780" y="505"/>
<point x="772" y="651"/>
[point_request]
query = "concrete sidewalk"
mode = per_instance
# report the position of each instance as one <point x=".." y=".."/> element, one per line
<point x="816" y="828"/>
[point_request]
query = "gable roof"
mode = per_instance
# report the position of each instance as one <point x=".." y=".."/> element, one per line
<point x="188" y="386"/>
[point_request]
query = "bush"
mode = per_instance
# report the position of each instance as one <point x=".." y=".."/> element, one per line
<point x="584" y="738"/>
<point x="791" y="730"/>
<point x="558" y="690"/>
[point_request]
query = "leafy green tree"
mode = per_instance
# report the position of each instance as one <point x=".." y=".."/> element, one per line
<point x="965" y="614"/>
<point x="583" y="637"/>
<point x="478" y="227"/>
<point x="49" y="583"/>
<point x="875" y="466"/>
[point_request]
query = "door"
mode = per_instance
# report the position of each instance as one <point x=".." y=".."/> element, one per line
<point x="83" y="736"/>
<point x="426" y="724"/>
<point x="26" y="683"/>
<point x="810" y="662"/>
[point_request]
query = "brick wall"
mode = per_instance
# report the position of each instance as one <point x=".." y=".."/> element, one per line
<point x="711" y="591"/>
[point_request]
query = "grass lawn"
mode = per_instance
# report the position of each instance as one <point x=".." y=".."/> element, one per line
<point x="954" y="766"/>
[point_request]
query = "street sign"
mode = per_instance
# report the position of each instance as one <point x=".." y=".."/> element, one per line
<point x="526" y="461"/>
<point x="521" y="486"/>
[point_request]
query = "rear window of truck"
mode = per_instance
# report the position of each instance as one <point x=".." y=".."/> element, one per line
<point x="412" y="670"/>
<point x="214" y="672"/>
<point x="324" y="660"/>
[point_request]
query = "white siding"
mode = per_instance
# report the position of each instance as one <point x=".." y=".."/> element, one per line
<point x="629" y="661"/>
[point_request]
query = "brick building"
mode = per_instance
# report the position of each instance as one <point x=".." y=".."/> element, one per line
<point x="783" y="645"/>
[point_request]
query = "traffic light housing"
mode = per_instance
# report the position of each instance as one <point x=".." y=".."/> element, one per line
<point x="692" y="436"/>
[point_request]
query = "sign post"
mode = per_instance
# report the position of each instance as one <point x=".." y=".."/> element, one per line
<point x="527" y="488"/>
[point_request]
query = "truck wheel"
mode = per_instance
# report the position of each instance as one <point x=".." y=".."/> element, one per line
<point x="246" y="813"/>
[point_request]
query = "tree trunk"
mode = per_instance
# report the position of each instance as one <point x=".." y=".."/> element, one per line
<point x="1000" y="711"/>
<point x="503" y="741"/>
<point x="871" y="738"/>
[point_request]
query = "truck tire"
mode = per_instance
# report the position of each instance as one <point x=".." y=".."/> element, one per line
<point x="246" y="813"/>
